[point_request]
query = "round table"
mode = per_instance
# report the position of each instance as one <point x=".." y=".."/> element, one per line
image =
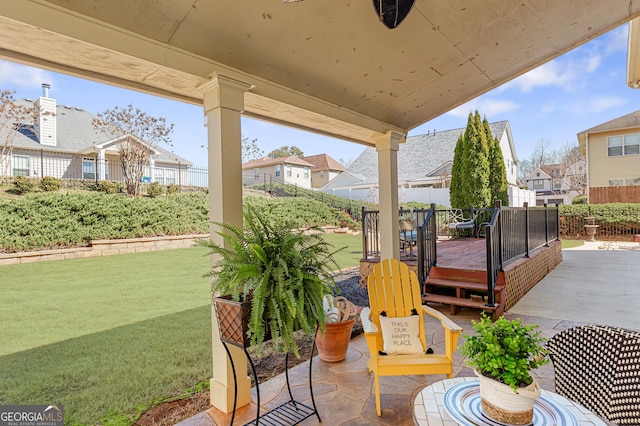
<point x="429" y="405"/>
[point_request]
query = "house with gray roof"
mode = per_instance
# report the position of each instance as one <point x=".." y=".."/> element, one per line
<point x="424" y="161"/>
<point x="63" y="143"/>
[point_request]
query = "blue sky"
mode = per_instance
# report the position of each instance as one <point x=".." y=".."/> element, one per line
<point x="581" y="89"/>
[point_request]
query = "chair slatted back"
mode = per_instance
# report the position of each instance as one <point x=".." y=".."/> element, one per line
<point x="394" y="289"/>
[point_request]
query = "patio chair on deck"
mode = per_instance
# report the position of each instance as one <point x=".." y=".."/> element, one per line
<point x="394" y="327"/>
<point x="599" y="367"/>
<point x="458" y="223"/>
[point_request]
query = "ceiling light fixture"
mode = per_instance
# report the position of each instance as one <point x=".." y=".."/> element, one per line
<point x="392" y="12"/>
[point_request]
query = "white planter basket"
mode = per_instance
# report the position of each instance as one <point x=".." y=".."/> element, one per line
<point x="505" y="405"/>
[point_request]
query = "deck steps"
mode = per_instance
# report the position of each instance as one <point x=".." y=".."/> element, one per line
<point x="463" y="290"/>
<point x="456" y="301"/>
<point x="467" y="285"/>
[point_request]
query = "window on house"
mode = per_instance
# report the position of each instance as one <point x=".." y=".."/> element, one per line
<point x="170" y="176"/>
<point x="288" y="168"/>
<point x="165" y="176"/>
<point x="256" y="173"/>
<point x="616" y="182"/>
<point x="538" y="184"/>
<point x="632" y="144"/>
<point x="632" y="181"/>
<point x="89" y="168"/>
<point x="623" y="145"/>
<point x="277" y="170"/>
<point x="321" y="174"/>
<point x="21" y="165"/>
<point x="614" y="146"/>
<point x="557" y="184"/>
<point x="306" y="173"/>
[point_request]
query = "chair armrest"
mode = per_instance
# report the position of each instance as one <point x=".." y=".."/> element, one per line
<point x="367" y="325"/>
<point x="446" y="322"/>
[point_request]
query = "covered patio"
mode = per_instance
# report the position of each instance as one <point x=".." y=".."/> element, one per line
<point x="324" y="66"/>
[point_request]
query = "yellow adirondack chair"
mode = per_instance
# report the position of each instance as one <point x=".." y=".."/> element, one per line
<point x="395" y="290"/>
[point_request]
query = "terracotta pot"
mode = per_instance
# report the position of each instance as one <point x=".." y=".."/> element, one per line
<point x="503" y="404"/>
<point x="333" y="344"/>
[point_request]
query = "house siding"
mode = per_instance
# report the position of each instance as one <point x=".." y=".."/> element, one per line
<point x="509" y="164"/>
<point x="602" y="167"/>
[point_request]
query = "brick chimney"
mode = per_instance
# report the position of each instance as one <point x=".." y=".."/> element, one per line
<point x="46" y="117"/>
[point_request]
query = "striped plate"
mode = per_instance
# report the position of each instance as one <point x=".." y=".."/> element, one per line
<point x="462" y="402"/>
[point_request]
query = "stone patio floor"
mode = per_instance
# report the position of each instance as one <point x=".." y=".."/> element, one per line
<point x="344" y="391"/>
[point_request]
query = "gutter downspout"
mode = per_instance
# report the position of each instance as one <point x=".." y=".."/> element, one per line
<point x="587" y="164"/>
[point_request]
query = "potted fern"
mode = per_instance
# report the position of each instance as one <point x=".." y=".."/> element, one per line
<point x="503" y="354"/>
<point x="281" y="272"/>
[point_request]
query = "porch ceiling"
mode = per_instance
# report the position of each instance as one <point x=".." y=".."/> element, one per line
<point x="324" y="65"/>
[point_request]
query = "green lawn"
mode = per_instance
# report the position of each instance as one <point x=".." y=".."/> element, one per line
<point x="571" y="243"/>
<point x="351" y="254"/>
<point x="103" y="336"/>
<point x="108" y="336"/>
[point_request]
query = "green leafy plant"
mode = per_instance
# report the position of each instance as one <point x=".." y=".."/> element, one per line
<point x="107" y="186"/>
<point x="580" y="199"/>
<point x="284" y="272"/>
<point x="505" y="350"/>
<point x="172" y="189"/>
<point x="50" y="184"/>
<point x="22" y="185"/>
<point x="154" y="190"/>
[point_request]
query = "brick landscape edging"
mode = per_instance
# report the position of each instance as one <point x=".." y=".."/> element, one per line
<point x="104" y="248"/>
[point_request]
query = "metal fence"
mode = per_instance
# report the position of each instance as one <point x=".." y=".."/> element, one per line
<point x="38" y="164"/>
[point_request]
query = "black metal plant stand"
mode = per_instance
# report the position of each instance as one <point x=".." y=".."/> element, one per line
<point x="291" y="412"/>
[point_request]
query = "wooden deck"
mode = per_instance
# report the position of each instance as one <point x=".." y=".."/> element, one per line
<point x="460" y="275"/>
<point x="469" y="254"/>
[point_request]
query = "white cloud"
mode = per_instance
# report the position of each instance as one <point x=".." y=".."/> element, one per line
<point x="19" y="76"/>
<point x="488" y="107"/>
<point x="617" y="39"/>
<point x="567" y="72"/>
<point x="604" y="103"/>
<point x="549" y="74"/>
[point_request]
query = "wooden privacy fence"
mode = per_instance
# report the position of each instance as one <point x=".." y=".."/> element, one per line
<point x="572" y="228"/>
<point x="614" y="194"/>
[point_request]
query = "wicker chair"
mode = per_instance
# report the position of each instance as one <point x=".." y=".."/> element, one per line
<point x="599" y="367"/>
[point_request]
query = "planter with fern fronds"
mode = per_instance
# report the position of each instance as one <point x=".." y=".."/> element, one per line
<point x="284" y="272"/>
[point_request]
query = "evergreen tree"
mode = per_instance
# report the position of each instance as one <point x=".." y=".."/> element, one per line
<point x="476" y="164"/>
<point x="498" y="174"/>
<point x="456" y="197"/>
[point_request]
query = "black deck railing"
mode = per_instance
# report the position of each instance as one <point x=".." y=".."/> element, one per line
<point x="510" y="232"/>
<point x="514" y="232"/>
<point x="426" y="244"/>
<point x="371" y="231"/>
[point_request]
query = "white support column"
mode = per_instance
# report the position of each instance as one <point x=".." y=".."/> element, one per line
<point x="152" y="167"/>
<point x="387" y="146"/>
<point x="102" y="165"/>
<point x="223" y="105"/>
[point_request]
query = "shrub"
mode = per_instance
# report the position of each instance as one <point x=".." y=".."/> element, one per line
<point x="505" y="351"/>
<point x="154" y="190"/>
<point x="50" y="184"/>
<point x="107" y="187"/>
<point x="22" y="185"/>
<point x="172" y="189"/>
<point x="580" y="199"/>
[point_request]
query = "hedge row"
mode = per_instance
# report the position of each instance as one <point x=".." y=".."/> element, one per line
<point x="617" y="221"/>
<point x="54" y="220"/>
